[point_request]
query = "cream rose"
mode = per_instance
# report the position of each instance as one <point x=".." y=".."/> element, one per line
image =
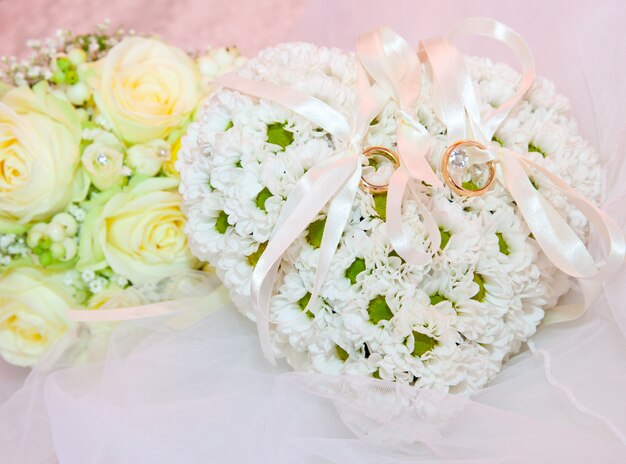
<point x="138" y="232"/>
<point x="40" y="169"/>
<point x="33" y="315"/>
<point x="145" y="88"/>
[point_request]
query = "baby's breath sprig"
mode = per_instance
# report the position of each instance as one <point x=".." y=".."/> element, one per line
<point x="55" y="59"/>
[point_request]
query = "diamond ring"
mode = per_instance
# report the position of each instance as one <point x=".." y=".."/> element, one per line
<point x="456" y="157"/>
<point x="382" y="151"/>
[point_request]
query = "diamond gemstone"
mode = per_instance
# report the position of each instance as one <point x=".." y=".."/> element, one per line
<point x="476" y="171"/>
<point x="102" y="159"/>
<point x="459" y="159"/>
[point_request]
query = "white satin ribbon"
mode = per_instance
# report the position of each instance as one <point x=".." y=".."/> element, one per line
<point x="400" y="74"/>
<point x="458" y="108"/>
<point x="387" y="68"/>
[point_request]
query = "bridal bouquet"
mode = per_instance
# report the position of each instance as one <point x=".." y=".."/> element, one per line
<point x="90" y="128"/>
<point x="368" y="231"/>
<point x="400" y="222"/>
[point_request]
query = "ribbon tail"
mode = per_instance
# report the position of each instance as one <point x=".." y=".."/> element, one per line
<point x="400" y="243"/>
<point x="608" y="228"/>
<point x="307" y="199"/>
<point x="338" y="216"/>
<point x="261" y="298"/>
<point x="590" y="289"/>
<point x="182" y="312"/>
<point x="431" y="226"/>
<point x="556" y="238"/>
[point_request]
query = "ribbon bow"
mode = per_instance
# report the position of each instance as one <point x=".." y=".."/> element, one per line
<point x="459" y="110"/>
<point x="387" y="68"/>
<point x="400" y="75"/>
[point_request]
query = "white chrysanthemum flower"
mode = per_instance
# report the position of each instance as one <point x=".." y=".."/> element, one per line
<point x="448" y="324"/>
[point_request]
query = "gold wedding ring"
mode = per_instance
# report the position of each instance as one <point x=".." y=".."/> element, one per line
<point x="381" y="151"/>
<point x="460" y="159"/>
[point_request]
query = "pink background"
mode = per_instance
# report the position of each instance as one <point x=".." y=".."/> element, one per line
<point x="187" y="23"/>
<point x="581" y="45"/>
<point x="578" y="44"/>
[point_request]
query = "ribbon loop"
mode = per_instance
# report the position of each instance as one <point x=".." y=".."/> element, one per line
<point x="458" y="108"/>
<point x="490" y="28"/>
<point x="389" y="61"/>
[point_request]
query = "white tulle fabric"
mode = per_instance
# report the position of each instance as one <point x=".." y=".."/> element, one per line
<point x="193" y="387"/>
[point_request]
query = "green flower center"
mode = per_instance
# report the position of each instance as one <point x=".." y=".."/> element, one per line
<point x="262" y="197"/>
<point x="254" y="257"/>
<point x="315" y="233"/>
<point x="221" y="224"/>
<point x="481" y="293"/>
<point x="355" y="269"/>
<point x="470" y="185"/>
<point x="536" y="149"/>
<point x="437" y="298"/>
<point x="504" y="247"/>
<point x="394" y="254"/>
<point x="380" y="205"/>
<point x="303" y="302"/>
<point x="423" y="344"/>
<point x="497" y="140"/>
<point x="445" y="237"/>
<point x="343" y="354"/>
<point x="278" y="135"/>
<point x="379" y="310"/>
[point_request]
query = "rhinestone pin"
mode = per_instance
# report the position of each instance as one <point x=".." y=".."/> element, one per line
<point x="102" y="159"/>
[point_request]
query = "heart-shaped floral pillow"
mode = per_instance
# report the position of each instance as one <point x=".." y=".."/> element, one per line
<point x="448" y="324"/>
